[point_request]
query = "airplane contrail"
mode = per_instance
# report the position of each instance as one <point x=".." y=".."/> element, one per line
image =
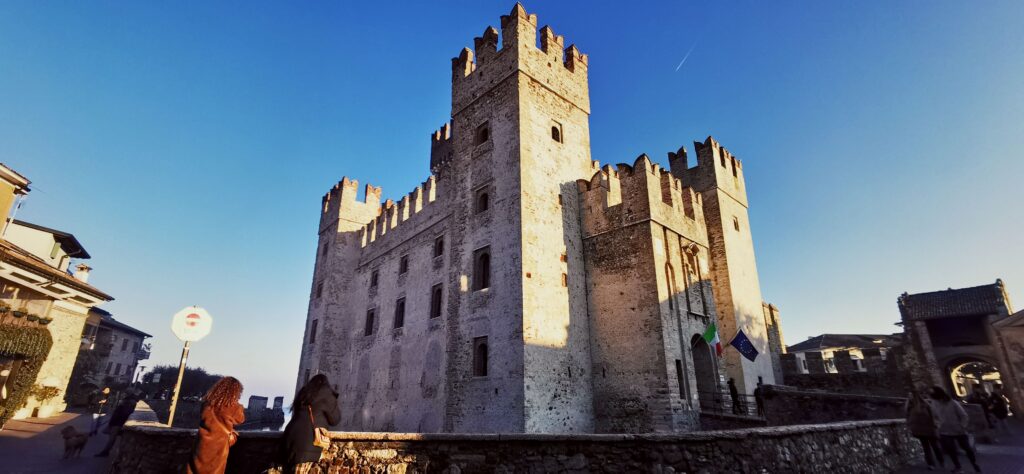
<point x="687" y="56"/>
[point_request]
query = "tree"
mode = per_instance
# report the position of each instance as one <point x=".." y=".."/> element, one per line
<point x="195" y="382"/>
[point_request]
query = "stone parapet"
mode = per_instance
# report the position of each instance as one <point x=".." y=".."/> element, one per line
<point x="865" y="446"/>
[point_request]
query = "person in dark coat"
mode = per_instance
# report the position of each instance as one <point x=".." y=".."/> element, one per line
<point x="118" y="418"/>
<point x="734" y="394"/>
<point x="315" y="406"/>
<point x="221" y="412"/>
<point x="923" y="423"/>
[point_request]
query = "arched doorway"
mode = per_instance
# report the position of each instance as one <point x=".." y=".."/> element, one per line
<point x="704" y="371"/>
<point x="970" y="376"/>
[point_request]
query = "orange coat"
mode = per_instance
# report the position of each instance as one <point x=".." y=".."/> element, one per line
<point x="216" y="435"/>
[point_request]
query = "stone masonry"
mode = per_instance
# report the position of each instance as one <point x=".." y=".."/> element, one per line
<point x="523" y="287"/>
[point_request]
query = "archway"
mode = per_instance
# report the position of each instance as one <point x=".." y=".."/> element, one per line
<point x="970" y="377"/>
<point x="704" y="371"/>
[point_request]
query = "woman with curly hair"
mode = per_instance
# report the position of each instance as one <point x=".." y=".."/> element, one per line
<point x="221" y="412"/>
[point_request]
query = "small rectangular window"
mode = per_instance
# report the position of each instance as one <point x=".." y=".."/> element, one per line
<point x="403" y="265"/>
<point x="324" y="251"/>
<point x="400" y="313"/>
<point x="373" y="279"/>
<point x="370" y="317"/>
<point x="556" y="131"/>
<point x="482" y="135"/>
<point x="110" y="365"/>
<point x="482" y="201"/>
<point x="435" y="301"/>
<point x="735" y="223"/>
<point x="438" y="246"/>
<point x="124" y="345"/>
<point x="679" y="378"/>
<point x="319" y="289"/>
<point x="312" y="331"/>
<point x="480" y="356"/>
<point x="117" y="369"/>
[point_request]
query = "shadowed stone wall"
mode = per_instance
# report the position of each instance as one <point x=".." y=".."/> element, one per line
<point x="866" y="446"/>
<point x="786" y="406"/>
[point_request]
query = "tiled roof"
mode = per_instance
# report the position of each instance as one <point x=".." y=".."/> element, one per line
<point x="20" y="257"/>
<point x="859" y="341"/>
<point x="974" y="301"/>
<point x="118" y="325"/>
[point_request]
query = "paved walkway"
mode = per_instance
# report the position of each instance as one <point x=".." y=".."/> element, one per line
<point x="35" y="445"/>
<point x="1005" y="456"/>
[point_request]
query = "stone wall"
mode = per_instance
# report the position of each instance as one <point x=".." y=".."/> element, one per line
<point x="787" y="406"/>
<point x="867" y="446"/>
<point x="856" y="383"/>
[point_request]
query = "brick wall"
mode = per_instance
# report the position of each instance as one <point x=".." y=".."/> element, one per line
<point x="867" y="446"/>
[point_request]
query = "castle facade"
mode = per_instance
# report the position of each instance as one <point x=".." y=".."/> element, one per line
<point x="524" y="287"/>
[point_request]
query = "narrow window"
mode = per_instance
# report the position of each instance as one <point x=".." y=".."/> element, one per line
<point x="370" y="316"/>
<point x="483" y="202"/>
<point x="735" y="223"/>
<point x="556" y="133"/>
<point x="403" y="265"/>
<point x="110" y="365"/>
<point x="480" y="356"/>
<point x="324" y="251"/>
<point x="124" y="345"/>
<point x="679" y="378"/>
<point x="482" y="269"/>
<point x="319" y="289"/>
<point x="559" y="199"/>
<point x="373" y="279"/>
<point x="438" y="247"/>
<point x="117" y="369"/>
<point x="312" y="331"/>
<point x="400" y="313"/>
<point x="671" y="287"/>
<point x="483" y="134"/>
<point x="435" y="301"/>
<point x="565" y="280"/>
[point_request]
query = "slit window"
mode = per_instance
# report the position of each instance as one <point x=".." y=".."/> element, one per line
<point x="324" y="251"/>
<point x="735" y="223"/>
<point x="482" y="269"/>
<point x="482" y="135"/>
<point x="403" y="265"/>
<point x="319" y="290"/>
<point x="679" y="378"/>
<point x="435" y="301"/>
<point x="370" y="321"/>
<point x="373" y="279"/>
<point x="312" y="331"/>
<point x="400" y="313"/>
<point x="438" y="247"/>
<point x="480" y="356"/>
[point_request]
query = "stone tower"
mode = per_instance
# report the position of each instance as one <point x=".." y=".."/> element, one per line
<point x="718" y="177"/>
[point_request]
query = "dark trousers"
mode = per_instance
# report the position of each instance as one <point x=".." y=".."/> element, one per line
<point x="932" y="451"/>
<point x="949" y="444"/>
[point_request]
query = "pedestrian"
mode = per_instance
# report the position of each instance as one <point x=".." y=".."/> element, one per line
<point x="220" y="413"/>
<point x="1000" y="410"/>
<point x="923" y="424"/>
<point x="952" y="428"/>
<point x="97" y="405"/>
<point x="118" y="418"/>
<point x="979" y="397"/>
<point x="735" y="396"/>
<point x="315" y="406"/>
<point x="759" y="398"/>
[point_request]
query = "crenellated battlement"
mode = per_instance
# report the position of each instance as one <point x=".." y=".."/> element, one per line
<point x="441" y="151"/>
<point x="391" y="214"/>
<point x="644" y="189"/>
<point x="474" y="71"/>
<point x="716" y="168"/>
<point x="342" y="202"/>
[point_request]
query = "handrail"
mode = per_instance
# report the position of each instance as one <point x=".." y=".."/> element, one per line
<point x="722" y="403"/>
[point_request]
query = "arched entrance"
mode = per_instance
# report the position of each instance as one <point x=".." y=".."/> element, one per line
<point x="704" y="370"/>
<point x="970" y="376"/>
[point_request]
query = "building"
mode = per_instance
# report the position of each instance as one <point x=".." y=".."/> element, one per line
<point x="109" y="354"/>
<point x="962" y="337"/>
<point x="818" y="354"/>
<point x="43" y="308"/>
<point x="524" y="287"/>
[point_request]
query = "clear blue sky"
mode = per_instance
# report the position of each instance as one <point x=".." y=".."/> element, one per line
<point x="187" y="144"/>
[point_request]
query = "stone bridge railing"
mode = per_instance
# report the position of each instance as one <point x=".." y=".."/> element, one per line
<point x="846" y="447"/>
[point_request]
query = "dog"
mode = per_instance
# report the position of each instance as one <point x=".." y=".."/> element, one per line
<point x="74" y="442"/>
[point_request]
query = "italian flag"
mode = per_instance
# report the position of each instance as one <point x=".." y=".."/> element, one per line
<point x="711" y="336"/>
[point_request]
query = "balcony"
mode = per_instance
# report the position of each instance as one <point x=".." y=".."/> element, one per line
<point x="142" y="353"/>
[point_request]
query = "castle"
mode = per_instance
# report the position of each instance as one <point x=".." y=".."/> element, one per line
<point x="524" y="287"/>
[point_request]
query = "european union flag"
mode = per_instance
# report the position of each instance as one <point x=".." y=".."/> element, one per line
<point x="743" y="344"/>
